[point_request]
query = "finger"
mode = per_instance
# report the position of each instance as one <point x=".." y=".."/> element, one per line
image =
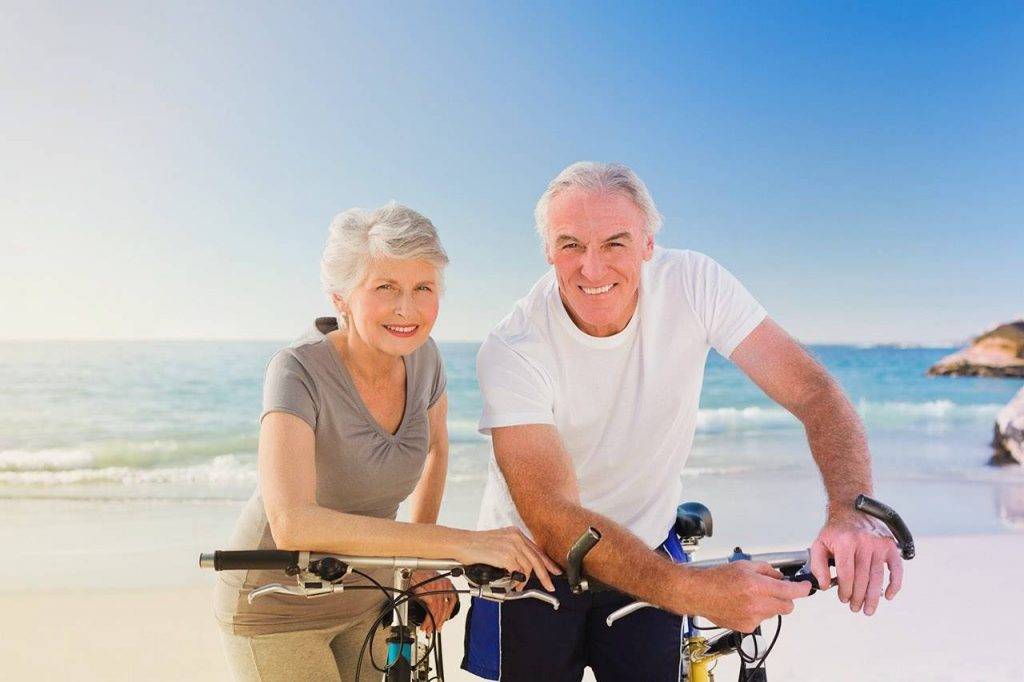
<point x="785" y="589"/>
<point x="552" y="567"/>
<point x="819" y="564"/>
<point x="875" y="578"/>
<point x="895" y="563"/>
<point x="539" y="569"/>
<point x="843" y="556"/>
<point x="782" y="607"/>
<point x="861" y="577"/>
<point x="767" y="569"/>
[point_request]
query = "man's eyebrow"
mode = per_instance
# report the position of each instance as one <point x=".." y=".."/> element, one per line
<point x="615" y="237"/>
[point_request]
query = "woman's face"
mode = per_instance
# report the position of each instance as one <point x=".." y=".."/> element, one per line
<point x="395" y="307"/>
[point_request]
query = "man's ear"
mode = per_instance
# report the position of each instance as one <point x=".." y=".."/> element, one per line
<point x="648" y="245"/>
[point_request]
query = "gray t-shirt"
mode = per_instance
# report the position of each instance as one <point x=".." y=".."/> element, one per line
<point x="360" y="469"/>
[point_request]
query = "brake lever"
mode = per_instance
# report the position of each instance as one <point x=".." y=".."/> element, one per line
<point x="499" y="593"/>
<point x="310" y="590"/>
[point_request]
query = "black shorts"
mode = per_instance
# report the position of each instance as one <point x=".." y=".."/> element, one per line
<point x="527" y="640"/>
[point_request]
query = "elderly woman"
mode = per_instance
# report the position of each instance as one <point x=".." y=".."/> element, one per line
<point x="353" y="423"/>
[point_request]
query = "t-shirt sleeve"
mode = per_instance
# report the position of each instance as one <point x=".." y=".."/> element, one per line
<point x="288" y="388"/>
<point x="515" y="390"/>
<point x="440" y="377"/>
<point x="724" y="306"/>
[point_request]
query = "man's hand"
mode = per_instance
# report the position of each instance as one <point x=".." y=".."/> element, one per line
<point x="742" y="594"/>
<point x="439" y="605"/>
<point x="860" y="546"/>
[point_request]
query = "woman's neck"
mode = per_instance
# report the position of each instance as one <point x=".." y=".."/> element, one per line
<point x="362" y="359"/>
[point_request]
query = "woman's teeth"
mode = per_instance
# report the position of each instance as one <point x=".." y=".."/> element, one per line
<point x="401" y="330"/>
<point x="593" y="291"/>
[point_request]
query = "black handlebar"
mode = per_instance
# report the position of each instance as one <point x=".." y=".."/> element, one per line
<point x="892" y="520"/>
<point x="574" y="559"/>
<point x="250" y="559"/>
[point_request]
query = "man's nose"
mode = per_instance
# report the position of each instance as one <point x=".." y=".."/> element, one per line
<point x="593" y="266"/>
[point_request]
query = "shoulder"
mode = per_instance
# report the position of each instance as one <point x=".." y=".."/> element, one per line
<point x="529" y="322"/>
<point x="306" y="357"/>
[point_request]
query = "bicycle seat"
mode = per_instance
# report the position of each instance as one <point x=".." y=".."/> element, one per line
<point x="693" y="520"/>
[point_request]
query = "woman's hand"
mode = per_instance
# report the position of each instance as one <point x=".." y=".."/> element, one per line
<point x="439" y="605"/>
<point x="508" y="548"/>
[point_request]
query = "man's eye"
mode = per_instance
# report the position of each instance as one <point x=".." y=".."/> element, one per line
<point x="424" y="287"/>
<point x="615" y="244"/>
<point x="383" y="287"/>
<point x="570" y="246"/>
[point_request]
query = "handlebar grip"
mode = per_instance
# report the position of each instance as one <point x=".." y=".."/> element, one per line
<point x="574" y="559"/>
<point x="249" y="559"/>
<point x="892" y="520"/>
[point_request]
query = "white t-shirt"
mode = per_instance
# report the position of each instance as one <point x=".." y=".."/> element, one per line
<point x="625" y="406"/>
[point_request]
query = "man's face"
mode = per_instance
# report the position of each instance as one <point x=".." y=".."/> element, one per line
<point x="597" y="243"/>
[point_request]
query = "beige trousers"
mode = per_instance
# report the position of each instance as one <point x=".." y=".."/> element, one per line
<point x="324" y="655"/>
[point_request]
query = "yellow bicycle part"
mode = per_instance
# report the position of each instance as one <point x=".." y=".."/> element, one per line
<point x="696" y="649"/>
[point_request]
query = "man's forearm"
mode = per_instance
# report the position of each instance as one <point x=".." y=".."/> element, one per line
<point x="620" y="560"/>
<point x="839" y="446"/>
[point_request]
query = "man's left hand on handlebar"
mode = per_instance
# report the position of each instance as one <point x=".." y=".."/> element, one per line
<point x="861" y="547"/>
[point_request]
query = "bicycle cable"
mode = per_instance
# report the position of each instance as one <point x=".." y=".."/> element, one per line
<point x="395" y="602"/>
<point x="745" y="675"/>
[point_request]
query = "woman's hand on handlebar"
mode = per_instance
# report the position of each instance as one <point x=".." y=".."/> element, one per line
<point x="741" y="594"/>
<point x="510" y="549"/>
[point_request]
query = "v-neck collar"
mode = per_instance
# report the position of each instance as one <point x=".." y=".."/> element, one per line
<point x="346" y="377"/>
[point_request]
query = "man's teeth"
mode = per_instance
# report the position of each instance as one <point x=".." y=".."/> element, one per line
<point x="400" y="330"/>
<point x="597" y="290"/>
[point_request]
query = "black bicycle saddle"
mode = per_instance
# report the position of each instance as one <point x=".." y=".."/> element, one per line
<point x="693" y="520"/>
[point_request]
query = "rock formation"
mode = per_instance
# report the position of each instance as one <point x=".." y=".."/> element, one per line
<point x="1008" y="440"/>
<point x="998" y="352"/>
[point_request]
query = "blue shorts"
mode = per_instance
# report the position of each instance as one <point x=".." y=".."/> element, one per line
<point x="527" y="640"/>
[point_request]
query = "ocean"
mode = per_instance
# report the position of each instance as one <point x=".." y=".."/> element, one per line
<point x="167" y="431"/>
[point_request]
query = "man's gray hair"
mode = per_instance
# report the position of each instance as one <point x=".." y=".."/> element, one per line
<point x="358" y="236"/>
<point x="599" y="177"/>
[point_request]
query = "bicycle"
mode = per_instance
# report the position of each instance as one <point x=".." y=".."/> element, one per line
<point x="409" y="650"/>
<point x="693" y="522"/>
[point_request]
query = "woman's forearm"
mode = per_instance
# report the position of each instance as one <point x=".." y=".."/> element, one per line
<point x="425" y="501"/>
<point x="318" y="529"/>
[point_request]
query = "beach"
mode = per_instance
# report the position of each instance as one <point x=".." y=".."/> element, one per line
<point x="120" y="463"/>
<point x="956" y="618"/>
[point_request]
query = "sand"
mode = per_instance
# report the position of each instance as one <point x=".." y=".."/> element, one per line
<point x="958" y="617"/>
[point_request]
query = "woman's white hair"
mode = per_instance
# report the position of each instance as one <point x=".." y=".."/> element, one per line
<point x="598" y="177"/>
<point x="358" y="236"/>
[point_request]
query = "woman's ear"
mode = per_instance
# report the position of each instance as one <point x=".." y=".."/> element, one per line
<point x="339" y="303"/>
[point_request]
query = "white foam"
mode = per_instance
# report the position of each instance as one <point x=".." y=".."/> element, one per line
<point x="53" y="459"/>
<point x="224" y="471"/>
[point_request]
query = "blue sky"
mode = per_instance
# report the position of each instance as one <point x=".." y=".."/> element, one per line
<point x="170" y="173"/>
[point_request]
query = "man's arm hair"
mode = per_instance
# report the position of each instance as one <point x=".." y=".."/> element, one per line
<point x="796" y="381"/>
<point x="543" y="484"/>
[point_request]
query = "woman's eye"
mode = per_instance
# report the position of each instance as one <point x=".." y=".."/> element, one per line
<point x="383" y="287"/>
<point x="424" y="288"/>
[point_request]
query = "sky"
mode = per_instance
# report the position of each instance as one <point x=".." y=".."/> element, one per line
<point x="171" y="171"/>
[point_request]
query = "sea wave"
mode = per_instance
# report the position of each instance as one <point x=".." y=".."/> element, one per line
<point x="740" y="419"/>
<point x="231" y="470"/>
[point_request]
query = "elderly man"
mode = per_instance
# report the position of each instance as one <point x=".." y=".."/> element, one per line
<point x="591" y="388"/>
